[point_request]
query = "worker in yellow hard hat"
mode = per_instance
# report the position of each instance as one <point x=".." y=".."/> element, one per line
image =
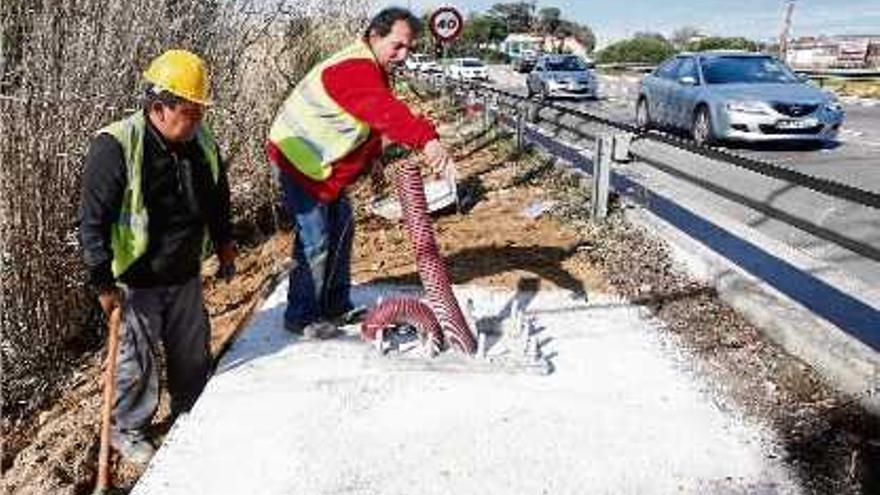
<point x="154" y="199"/>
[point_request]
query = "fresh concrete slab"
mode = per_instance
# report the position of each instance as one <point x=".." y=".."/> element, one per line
<point x="620" y="414"/>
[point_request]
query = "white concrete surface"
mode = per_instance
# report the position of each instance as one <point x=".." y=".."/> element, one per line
<point x="620" y="414"/>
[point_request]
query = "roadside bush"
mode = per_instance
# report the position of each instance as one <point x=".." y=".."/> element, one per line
<point x="645" y="50"/>
<point x="68" y="68"/>
<point x="719" y="43"/>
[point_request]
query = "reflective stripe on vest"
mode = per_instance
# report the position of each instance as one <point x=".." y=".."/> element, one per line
<point x="129" y="235"/>
<point x="311" y="129"/>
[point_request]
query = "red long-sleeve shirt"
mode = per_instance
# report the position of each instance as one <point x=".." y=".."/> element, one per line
<point x="361" y="88"/>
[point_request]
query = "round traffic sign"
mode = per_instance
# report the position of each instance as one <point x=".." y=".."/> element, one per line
<point x="446" y="23"/>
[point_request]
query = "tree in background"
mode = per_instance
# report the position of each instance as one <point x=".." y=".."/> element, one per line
<point x="517" y="16"/>
<point x="549" y="21"/>
<point x="650" y="35"/>
<point x="580" y="32"/>
<point x="720" y="43"/>
<point x="647" y="50"/>
<point x="682" y="36"/>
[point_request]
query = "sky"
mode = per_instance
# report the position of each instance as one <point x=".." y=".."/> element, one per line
<point x="756" y="19"/>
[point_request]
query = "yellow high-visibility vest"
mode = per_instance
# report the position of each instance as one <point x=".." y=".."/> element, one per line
<point x="129" y="234"/>
<point x="311" y="129"/>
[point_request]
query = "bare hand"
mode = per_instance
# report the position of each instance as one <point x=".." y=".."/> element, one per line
<point x="438" y="157"/>
<point x="110" y="299"/>
<point x="226" y="255"/>
<point x="440" y="161"/>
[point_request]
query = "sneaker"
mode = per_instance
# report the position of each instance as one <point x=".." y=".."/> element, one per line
<point x="317" y="330"/>
<point x="133" y="446"/>
<point x="292" y="327"/>
<point x="320" y="330"/>
<point x="349" y="316"/>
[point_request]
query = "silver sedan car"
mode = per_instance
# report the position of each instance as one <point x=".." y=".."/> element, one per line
<point x="736" y="96"/>
<point x="562" y="76"/>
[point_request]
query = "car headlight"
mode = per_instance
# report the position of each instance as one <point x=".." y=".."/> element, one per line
<point x="750" y="107"/>
<point x="834" y="106"/>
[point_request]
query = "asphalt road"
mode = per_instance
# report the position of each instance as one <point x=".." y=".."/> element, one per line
<point x="771" y="206"/>
<point x="854" y="160"/>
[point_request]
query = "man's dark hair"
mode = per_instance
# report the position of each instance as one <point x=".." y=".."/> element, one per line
<point x="154" y="94"/>
<point x="382" y="22"/>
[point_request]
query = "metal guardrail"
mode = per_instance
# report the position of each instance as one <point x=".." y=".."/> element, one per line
<point x="864" y="73"/>
<point x="827" y="187"/>
<point x="841" y="73"/>
<point x="629" y="66"/>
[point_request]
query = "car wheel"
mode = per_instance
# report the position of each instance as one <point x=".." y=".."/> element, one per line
<point x="701" y="128"/>
<point x="643" y="118"/>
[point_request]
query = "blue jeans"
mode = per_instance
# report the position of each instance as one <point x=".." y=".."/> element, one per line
<point x="320" y="281"/>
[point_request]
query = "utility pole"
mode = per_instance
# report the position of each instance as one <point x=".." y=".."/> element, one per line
<point x="786" y="29"/>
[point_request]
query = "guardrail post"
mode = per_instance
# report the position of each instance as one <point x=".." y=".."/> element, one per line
<point x="520" y="128"/>
<point x="533" y="111"/>
<point x="487" y="116"/>
<point x="601" y="177"/>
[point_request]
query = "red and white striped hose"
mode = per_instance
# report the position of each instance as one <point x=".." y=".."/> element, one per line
<point x="432" y="270"/>
<point x="404" y="311"/>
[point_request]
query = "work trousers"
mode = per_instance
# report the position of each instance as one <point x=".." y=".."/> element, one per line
<point x="175" y="318"/>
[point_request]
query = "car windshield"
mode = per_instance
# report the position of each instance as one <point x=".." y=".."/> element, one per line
<point x="733" y="70"/>
<point x="566" y="64"/>
<point x="471" y="63"/>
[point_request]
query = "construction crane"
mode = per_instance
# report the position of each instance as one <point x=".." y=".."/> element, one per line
<point x="786" y="28"/>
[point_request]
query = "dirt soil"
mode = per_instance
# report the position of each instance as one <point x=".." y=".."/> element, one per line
<point x="493" y="241"/>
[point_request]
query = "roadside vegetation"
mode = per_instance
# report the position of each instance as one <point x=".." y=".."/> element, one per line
<point x="69" y="68"/>
<point x="865" y="88"/>
<point x="653" y="48"/>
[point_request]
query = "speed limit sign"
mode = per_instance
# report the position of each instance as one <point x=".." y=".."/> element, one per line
<point x="446" y="23"/>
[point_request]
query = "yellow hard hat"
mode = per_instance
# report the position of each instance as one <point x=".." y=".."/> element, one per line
<point x="181" y="73"/>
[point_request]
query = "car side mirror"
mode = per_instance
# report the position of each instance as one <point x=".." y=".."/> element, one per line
<point x="804" y="78"/>
<point x="688" y="81"/>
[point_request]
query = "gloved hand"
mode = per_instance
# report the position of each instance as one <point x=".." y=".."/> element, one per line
<point x="110" y="298"/>
<point x="226" y="255"/>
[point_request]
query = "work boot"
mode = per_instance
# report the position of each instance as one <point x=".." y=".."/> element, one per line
<point x="133" y="446"/>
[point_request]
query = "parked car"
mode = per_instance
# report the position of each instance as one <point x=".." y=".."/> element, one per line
<point x="736" y="96"/>
<point x="419" y="62"/>
<point x="525" y="62"/>
<point x="468" y="68"/>
<point x="562" y="76"/>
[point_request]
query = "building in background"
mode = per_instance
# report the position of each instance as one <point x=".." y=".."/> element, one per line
<point x="836" y="52"/>
<point x="515" y="44"/>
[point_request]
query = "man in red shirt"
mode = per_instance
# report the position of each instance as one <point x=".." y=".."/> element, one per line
<point x="326" y="135"/>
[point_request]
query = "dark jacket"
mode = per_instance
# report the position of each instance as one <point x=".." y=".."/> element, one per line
<point x="181" y="199"/>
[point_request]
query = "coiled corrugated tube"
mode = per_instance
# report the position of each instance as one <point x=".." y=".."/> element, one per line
<point x="432" y="271"/>
<point x="404" y="311"/>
